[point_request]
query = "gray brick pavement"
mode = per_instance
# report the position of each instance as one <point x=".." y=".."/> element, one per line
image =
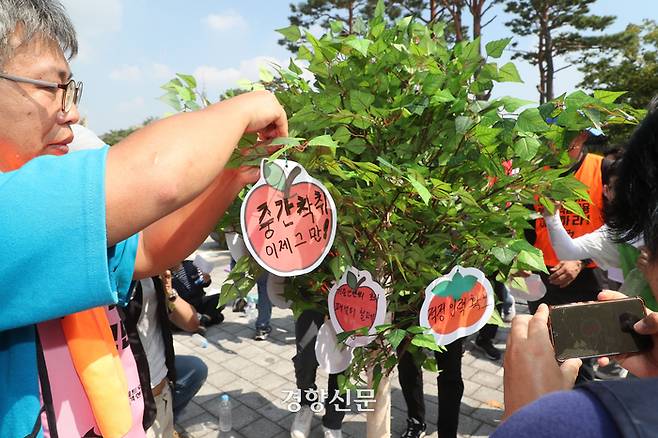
<point x="255" y="374"/>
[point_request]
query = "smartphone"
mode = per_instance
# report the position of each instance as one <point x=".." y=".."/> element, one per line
<point x="597" y="328"/>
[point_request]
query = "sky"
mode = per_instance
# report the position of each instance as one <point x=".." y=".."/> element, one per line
<point x="129" y="48"/>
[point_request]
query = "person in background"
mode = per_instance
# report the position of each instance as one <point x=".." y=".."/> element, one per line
<point x="544" y="407"/>
<point x="189" y="282"/>
<point x="264" y="306"/>
<point x="486" y="335"/>
<point x="449" y="382"/>
<point x="173" y="379"/>
<point x="598" y="245"/>
<point x="570" y="281"/>
<point x="306" y="366"/>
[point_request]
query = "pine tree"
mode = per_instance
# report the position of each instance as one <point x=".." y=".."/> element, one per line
<point x="557" y="24"/>
<point x="630" y="64"/>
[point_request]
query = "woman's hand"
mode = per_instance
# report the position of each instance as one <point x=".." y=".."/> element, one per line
<point x="643" y="364"/>
<point x="531" y="370"/>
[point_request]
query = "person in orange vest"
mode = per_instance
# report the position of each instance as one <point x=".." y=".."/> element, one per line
<point x="572" y="281"/>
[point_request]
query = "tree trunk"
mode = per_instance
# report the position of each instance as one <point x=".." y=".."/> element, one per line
<point x="542" y="54"/>
<point x="550" y="69"/>
<point x="378" y="422"/>
<point x="476" y="12"/>
<point x="350" y="17"/>
<point x="432" y="10"/>
<point x="454" y="7"/>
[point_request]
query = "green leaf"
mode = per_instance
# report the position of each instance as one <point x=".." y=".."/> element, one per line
<point x="463" y="124"/>
<point x="342" y="134"/>
<point x="574" y="207"/>
<point x="509" y="73"/>
<point x="577" y="99"/>
<point x="430" y="364"/>
<point x="189" y="79"/>
<point x="395" y="337"/>
<point x="323" y="140"/>
<point x="442" y="96"/>
<point x="379" y="9"/>
<point x="495" y="48"/>
<point x="526" y="148"/>
<point x="504" y="255"/>
<point x="360" y="100"/>
<point x="287" y="143"/>
<point x="532" y="261"/>
<point x="531" y="121"/>
<point x="274" y="175"/>
<point x="291" y="33"/>
<point x="265" y="75"/>
<point x="172" y="100"/>
<point x="336" y="26"/>
<point x="511" y="104"/>
<point x="351" y="280"/>
<point x="608" y="96"/>
<point x="414" y="329"/>
<point x="360" y="45"/>
<point x="425" y="341"/>
<point x="248" y="140"/>
<point x="425" y="194"/>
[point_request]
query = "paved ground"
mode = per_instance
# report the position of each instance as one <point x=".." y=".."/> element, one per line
<point x="256" y="374"/>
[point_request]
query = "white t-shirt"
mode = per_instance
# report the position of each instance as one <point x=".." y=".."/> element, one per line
<point x="150" y="333"/>
<point x="596" y="245"/>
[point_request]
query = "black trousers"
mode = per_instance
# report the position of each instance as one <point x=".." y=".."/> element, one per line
<point x="449" y="381"/>
<point x="306" y="366"/>
<point x="489" y="330"/>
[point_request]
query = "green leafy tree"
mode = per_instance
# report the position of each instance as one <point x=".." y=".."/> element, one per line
<point x="631" y="64"/>
<point x="415" y="164"/>
<point x="477" y="10"/>
<point x="347" y="15"/>
<point x="114" y="136"/>
<point x="558" y="26"/>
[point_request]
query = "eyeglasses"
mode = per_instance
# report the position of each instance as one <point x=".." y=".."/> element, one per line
<point x="72" y="89"/>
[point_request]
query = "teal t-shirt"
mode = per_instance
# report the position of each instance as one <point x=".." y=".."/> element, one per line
<point x="54" y="262"/>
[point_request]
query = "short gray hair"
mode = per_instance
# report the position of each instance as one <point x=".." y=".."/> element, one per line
<point x="35" y="18"/>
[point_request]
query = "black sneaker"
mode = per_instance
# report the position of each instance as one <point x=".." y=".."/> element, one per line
<point x="612" y="371"/>
<point x="415" y="429"/>
<point x="487" y="347"/>
<point x="239" y="304"/>
<point x="262" y="333"/>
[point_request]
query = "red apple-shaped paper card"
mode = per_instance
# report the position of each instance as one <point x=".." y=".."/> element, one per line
<point x="357" y="301"/>
<point x="288" y="219"/>
<point x="457" y="305"/>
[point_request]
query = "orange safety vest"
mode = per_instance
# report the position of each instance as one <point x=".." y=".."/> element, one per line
<point x="589" y="174"/>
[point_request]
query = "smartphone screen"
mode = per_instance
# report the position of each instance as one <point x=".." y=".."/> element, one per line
<point x="597" y="328"/>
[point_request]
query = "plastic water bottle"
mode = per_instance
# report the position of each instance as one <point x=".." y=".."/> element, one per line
<point x="198" y="280"/>
<point x="250" y="310"/>
<point x="225" y="420"/>
<point x="200" y="340"/>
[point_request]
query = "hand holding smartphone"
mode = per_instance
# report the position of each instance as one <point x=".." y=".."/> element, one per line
<point x="597" y="328"/>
